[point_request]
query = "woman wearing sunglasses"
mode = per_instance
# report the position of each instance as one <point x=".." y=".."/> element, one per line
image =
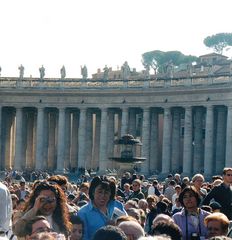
<point x="47" y="200"/>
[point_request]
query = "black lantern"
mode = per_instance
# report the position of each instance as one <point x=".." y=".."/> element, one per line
<point x="129" y="147"/>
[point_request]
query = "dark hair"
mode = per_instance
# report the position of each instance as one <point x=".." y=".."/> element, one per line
<point x="105" y="184"/>
<point x="110" y="232"/>
<point x="75" y="219"/>
<point x="189" y="189"/>
<point x="59" y="179"/>
<point x="169" y="228"/>
<point x="29" y="223"/>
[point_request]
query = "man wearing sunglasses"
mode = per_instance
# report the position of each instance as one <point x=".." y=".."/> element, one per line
<point x="222" y="193"/>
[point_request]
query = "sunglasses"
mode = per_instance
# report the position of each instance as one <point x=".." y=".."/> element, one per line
<point x="229" y="175"/>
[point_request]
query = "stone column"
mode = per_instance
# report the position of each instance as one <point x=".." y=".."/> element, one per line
<point x="198" y="141"/>
<point x="146" y="141"/>
<point x="18" y="140"/>
<point x="228" y="162"/>
<point x="124" y="125"/>
<point x="45" y="140"/>
<point x="132" y="122"/>
<point x="39" y="140"/>
<point x="29" y="140"/>
<point x="67" y="139"/>
<point x="97" y="120"/>
<point x="209" y="136"/>
<point x="61" y="141"/>
<point x="154" y="143"/>
<point x="89" y="138"/>
<point x="166" y="148"/>
<point x="187" y="151"/>
<point x="52" y="139"/>
<point x="74" y="141"/>
<point x="82" y="138"/>
<point x="103" y="141"/>
<point x="110" y="138"/>
<point x="220" y="140"/>
<point x="175" y="159"/>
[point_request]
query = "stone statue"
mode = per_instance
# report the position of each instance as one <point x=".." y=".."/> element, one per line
<point x="84" y="72"/>
<point x="42" y="72"/>
<point x="125" y="70"/>
<point x="62" y="72"/>
<point x="106" y="73"/>
<point x="21" y="71"/>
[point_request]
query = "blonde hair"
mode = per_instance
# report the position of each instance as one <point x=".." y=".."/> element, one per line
<point x="220" y="217"/>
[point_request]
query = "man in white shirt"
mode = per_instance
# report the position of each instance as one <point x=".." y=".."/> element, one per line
<point x="5" y="209"/>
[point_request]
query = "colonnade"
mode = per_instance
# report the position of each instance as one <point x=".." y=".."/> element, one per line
<point x="185" y="139"/>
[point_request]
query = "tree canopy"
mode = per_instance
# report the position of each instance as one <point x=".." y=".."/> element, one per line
<point x="158" y="59"/>
<point x="218" y="41"/>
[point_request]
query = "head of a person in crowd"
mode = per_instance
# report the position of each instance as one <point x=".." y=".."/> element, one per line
<point x="152" y="201"/>
<point x="124" y="218"/>
<point x="215" y="177"/>
<point x="170" y="176"/>
<point x="36" y="225"/>
<point x="126" y="187"/>
<point x="61" y="180"/>
<point x="215" y="206"/>
<point x="172" y="183"/>
<point x="127" y="175"/>
<point x="190" y="199"/>
<point x="131" y="204"/>
<point x="110" y="232"/>
<point x="217" y="224"/>
<point x="178" y="189"/>
<point x="51" y="201"/>
<point x="163" y="207"/>
<point x="14" y="199"/>
<point x="155" y="183"/>
<point x="186" y="181"/>
<point x="143" y="204"/>
<point x="22" y="184"/>
<point x="84" y="188"/>
<point x="101" y="191"/>
<point x="177" y="202"/>
<point x="177" y="178"/>
<point x="77" y="228"/>
<point x="162" y="217"/>
<point x="132" y="229"/>
<point x="216" y="182"/>
<point x="198" y="180"/>
<point x="227" y="175"/>
<point x="135" y="213"/>
<point x="169" y="228"/>
<point x="21" y="203"/>
<point x="136" y="185"/>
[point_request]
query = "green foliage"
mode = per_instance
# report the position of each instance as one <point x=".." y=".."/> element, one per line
<point x="158" y="59"/>
<point x="218" y="41"/>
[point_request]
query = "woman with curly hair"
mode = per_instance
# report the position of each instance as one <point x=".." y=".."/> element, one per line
<point x="47" y="199"/>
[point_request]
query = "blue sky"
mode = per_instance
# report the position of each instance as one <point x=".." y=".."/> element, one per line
<point x="100" y="32"/>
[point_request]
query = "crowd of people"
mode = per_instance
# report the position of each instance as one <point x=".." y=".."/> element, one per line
<point x="109" y="208"/>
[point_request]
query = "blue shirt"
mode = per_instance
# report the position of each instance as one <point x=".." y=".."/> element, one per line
<point x="94" y="219"/>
